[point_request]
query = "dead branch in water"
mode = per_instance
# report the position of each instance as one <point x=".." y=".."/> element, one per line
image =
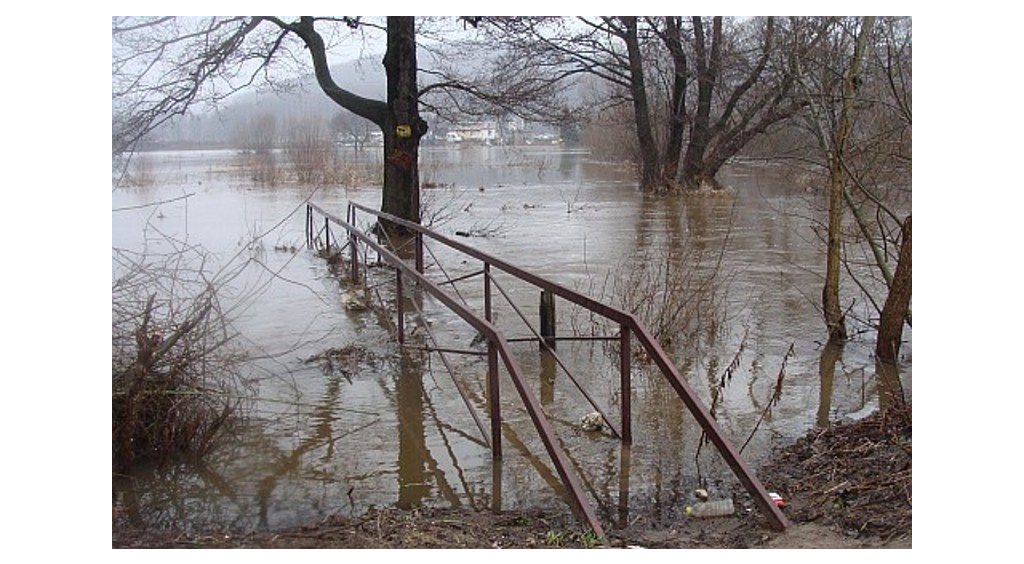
<point x="176" y="374"/>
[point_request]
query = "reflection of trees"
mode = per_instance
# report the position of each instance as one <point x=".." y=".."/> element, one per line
<point x="887" y="383"/>
<point x="568" y="166"/>
<point x="417" y="466"/>
<point x="323" y="437"/>
<point x="547" y="377"/>
<point x="831" y="354"/>
<point x="674" y="280"/>
<point x="412" y="450"/>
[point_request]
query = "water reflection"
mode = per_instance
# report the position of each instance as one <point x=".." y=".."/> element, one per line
<point x="725" y="281"/>
<point x="413" y="455"/>
<point x="548" y="365"/>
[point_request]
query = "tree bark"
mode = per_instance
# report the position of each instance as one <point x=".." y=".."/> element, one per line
<point x="897" y="303"/>
<point x="708" y="62"/>
<point x="677" y="111"/>
<point x="403" y="127"/>
<point x="834" y="318"/>
<point x="835" y="321"/>
<point x="398" y="117"/>
<point x="650" y="169"/>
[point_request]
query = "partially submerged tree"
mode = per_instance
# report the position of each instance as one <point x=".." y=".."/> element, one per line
<point x="164" y="66"/>
<point x="727" y="81"/>
<point x="859" y="99"/>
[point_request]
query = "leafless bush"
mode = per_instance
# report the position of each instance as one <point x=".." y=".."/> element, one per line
<point x="261" y="167"/>
<point x="177" y="376"/>
<point x="676" y="289"/>
<point x="673" y="297"/>
<point x="491" y="228"/>
<point x="310" y="152"/>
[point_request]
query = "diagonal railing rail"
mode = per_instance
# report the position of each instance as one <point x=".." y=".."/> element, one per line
<point x="498" y="347"/>
<point x="629" y="328"/>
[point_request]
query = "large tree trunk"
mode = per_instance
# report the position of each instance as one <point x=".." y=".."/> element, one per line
<point x="897" y="303"/>
<point x="835" y="320"/>
<point x="708" y="62"/>
<point x="650" y="169"/>
<point x="403" y="127"/>
<point x="398" y="118"/>
<point x="677" y="109"/>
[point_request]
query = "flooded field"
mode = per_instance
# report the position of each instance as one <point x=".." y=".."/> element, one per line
<point x="728" y="283"/>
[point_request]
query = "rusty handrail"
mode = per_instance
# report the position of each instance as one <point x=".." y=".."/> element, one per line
<point x="499" y="345"/>
<point x="629" y="323"/>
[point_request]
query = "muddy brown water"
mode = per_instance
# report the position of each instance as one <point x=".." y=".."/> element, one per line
<point x="398" y="432"/>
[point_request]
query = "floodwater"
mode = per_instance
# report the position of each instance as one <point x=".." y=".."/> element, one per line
<point x="740" y="275"/>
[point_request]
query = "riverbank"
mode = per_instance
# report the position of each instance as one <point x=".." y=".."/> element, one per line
<point x="848" y="486"/>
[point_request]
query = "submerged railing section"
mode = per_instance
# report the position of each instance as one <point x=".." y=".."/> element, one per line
<point x="498" y="347"/>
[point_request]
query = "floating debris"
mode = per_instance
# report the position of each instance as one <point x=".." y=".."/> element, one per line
<point x="592" y="422"/>
<point x="354" y="301"/>
<point x="344" y="360"/>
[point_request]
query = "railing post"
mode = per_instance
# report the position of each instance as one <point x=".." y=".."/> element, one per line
<point x="494" y="399"/>
<point x="625" y="385"/>
<point x="398" y="306"/>
<point x="496" y="486"/>
<point x="487" y="292"/>
<point x="547" y="318"/>
<point x="419" y="252"/>
<point x="355" y="257"/>
<point x="327" y="233"/>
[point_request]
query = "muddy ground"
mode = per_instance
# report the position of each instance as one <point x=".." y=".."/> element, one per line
<point x="848" y="486"/>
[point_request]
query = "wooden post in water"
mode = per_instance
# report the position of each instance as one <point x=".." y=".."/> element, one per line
<point x="355" y="258"/>
<point x="309" y="226"/>
<point x="547" y="318"/>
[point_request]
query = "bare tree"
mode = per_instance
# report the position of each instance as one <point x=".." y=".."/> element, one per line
<point x="858" y="88"/>
<point x="896" y="311"/>
<point x="836" y="140"/>
<point x="258" y="135"/>
<point x="164" y="66"/>
<point x="727" y="81"/>
<point x="349" y="129"/>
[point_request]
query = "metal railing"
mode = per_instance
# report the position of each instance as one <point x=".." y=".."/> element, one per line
<point x="629" y="328"/>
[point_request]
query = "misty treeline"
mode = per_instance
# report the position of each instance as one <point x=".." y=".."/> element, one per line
<point x="678" y="96"/>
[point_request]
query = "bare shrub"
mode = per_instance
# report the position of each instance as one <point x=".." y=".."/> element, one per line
<point x="261" y="168"/>
<point x="309" y="151"/>
<point x="177" y="376"/>
<point x="672" y="297"/>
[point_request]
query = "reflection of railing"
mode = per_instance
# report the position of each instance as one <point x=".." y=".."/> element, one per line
<point x="629" y="327"/>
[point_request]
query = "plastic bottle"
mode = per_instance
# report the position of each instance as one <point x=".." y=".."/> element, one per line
<point x="717" y="508"/>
